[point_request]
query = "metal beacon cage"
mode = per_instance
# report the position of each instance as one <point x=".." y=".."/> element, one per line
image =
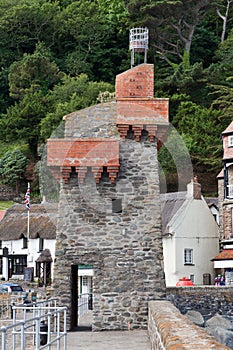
<point x="138" y="44"/>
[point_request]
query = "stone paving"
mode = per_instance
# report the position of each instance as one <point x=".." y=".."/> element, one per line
<point x="109" y="340"/>
<point x="106" y="340"/>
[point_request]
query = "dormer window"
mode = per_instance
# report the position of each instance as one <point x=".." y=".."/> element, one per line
<point x="25" y="243"/>
<point x="230" y="141"/>
<point x="41" y="244"/>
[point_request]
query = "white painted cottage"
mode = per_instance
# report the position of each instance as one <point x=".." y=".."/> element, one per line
<point x="28" y="253"/>
<point x="190" y="236"/>
<point x="32" y="257"/>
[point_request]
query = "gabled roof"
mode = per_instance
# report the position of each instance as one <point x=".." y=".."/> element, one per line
<point x="229" y="129"/>
<point x="226" y="254"/>
<point x="42" y="222"/>
<point x="170" y="204"/>
<point x="221" y="174"/>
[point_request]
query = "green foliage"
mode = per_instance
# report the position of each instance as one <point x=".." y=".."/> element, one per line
<point x="71" y="95"/>
<point x="23" y="147"/>
<point x="34" y="72"/>
<point x="4" y="205"/>
<point x="12" y="167"/>
<point x="57" y="56"/>
<point x="22" y="120"/>
<point x="172" y="25"/>
<point x="200" y="129"/>
<point x="224" y="102"/>
<point x="174" y="153"/>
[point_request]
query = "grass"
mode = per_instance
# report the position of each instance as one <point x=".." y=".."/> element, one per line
<point x="5" y="204"/>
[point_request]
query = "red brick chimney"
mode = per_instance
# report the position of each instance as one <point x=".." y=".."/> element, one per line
<point x="136" y="106"/>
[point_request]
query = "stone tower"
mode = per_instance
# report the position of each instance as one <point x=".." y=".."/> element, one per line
<point x="109" y="206"/>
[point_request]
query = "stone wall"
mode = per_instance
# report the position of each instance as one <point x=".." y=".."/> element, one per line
<point x="227" y="218"/>
<point x="208" y="300"/>
<point x="124" y="248"/>
<point x="169" y="330"/>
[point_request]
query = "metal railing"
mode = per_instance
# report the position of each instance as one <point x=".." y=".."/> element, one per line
<point x="84" y="303"/>
<point x="6" y="303"/>
<point x="43" y="329"/>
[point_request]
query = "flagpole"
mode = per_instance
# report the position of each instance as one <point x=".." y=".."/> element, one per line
<point x="27" y="202"/>
<point x="28" y="230"/>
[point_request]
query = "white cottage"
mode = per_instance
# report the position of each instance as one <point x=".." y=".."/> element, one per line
<point x="27" y="244"/>
<point x="32" y="257"/>
<point x="190" y="236"/>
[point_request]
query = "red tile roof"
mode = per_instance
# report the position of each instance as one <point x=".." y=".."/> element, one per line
<point x="229" y="129"/>
<point x="221" y="174"/>
<point x="226" y="254"/>
<point x="2" y="213"/>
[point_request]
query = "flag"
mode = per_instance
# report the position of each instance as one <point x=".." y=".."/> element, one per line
<point x="27" y="197"/>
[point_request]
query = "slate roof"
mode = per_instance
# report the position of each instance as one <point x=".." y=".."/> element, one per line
<point x="226" y="254"/>
<point x="170" y="204"/>
<point x="212" y="201"/>
<point x="43" y="220"/>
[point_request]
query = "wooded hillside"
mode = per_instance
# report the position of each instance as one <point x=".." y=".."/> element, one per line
<point x="58" y="56"/>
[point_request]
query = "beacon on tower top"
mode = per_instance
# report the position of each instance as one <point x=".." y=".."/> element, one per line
<point x="138" y="44"/>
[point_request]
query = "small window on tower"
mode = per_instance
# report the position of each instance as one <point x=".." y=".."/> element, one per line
<point x="117" y="205"/>
<point x="230" y="141"/>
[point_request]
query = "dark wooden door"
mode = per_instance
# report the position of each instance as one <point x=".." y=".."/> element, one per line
<point x="74" y="296"/>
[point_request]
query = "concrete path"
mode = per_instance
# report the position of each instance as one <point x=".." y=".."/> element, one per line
<point x="108" y="340"/>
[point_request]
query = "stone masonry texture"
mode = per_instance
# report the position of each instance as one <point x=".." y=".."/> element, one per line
<point x="170" y="330"/>
<point x="125" y="247"/>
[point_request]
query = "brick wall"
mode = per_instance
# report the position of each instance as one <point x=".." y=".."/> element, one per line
<point x="86" y="152"/>
<point x="136" y="82"/>
<point x="136" y="87"/>
<point x="227" y="151"/>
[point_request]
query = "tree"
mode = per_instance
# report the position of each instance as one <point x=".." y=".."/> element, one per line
<point x="72" y="94"/>
<point x="22" y="120"/>
<point x="200" y="128"/>
<point x="23" y="24"/>
<point x="12" y="167"/>
<point x="94" y="39"/>
<point x="172" y="25"/>
<point x="223" y="11"/>
<point x="34" y="72"/>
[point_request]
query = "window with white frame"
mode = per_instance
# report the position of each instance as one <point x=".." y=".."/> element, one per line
<point x="230" y="141"/>
<point x="188" y="256"/>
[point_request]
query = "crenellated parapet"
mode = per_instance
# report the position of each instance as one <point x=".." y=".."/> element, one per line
<point x="79" y="155"/>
